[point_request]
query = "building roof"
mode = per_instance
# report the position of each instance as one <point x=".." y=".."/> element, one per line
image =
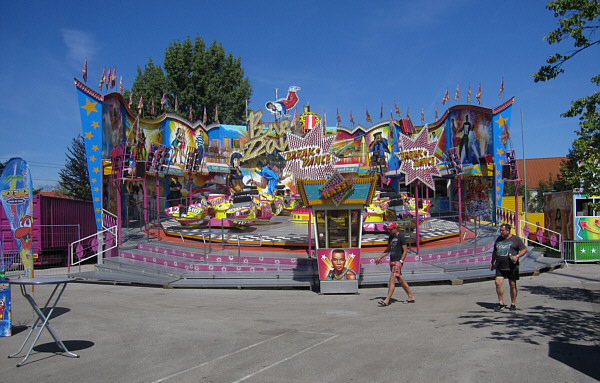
<point x="540" y="169"/>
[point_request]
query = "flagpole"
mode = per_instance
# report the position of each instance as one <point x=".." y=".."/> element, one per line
<point x="524" y="164"/>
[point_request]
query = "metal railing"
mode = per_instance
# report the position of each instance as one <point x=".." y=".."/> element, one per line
<point x="543" y="237"/>
<point x="95" y="245"/>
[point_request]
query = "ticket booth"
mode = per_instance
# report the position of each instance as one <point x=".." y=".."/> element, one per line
<point x="337" y="204"/>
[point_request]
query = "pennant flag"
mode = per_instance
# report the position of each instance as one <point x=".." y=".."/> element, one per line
<point x="381" y="112"/>
<point x="324" y="121"/>
<point x="422" y="115"/>
<point x="501" y="88"/>
<point x="408" y="113"/>
<point x="446" y="97"/>
<point x="478" y="96"/>
<point x="140" y="104"/>
<point x="351" y="118"/>
<point x="469" y="94"/>
<point x="397" y="109"/>
<point x="339" y="119"/>
<point x="436" y="112"/>
<point x="163" y="101"/>
<point x="103" y="78"/>
<point x="121" y="84"/>
<point x="204" y="119"/>
<point x="85" y="70"/>
<point x="176" y="104"/>
<point x="369" y="117"/>
<point x="190" y="116"/>
<point x="113" y="80"/>
<point x="130" y="100"/>
<point x="217" y="113"/>
<point x="294" y="119"/>
<point x="152" y="109"/>
<point x="457" y="95"/>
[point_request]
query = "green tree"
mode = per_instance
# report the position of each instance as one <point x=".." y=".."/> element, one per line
<point x="579" y="20"/>
<point x="198" y="77"/>
<point x="150" y="84"/>
<point x="74" y="179"/>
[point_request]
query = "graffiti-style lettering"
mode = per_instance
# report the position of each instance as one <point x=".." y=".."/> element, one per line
<point x="265" y="139"/>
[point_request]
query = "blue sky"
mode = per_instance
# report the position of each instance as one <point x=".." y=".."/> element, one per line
<point x="346" y="55"/>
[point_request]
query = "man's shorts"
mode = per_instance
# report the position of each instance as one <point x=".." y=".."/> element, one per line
<point x="511" y="274"/>
<point x="396" y="268"/>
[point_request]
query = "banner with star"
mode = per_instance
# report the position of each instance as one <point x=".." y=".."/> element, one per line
<point x="501" y="128"/>
<point x="417" y="158"/>
<point x="90" y="109"/>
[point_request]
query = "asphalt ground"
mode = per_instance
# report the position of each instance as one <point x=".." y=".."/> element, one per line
<point x="451" y="334"/>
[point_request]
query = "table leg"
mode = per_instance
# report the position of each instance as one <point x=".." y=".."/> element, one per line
<point x="46" y="323"/>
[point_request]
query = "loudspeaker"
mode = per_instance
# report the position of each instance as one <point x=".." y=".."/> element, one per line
<point x="506" y="173"/>
<point x="140" y="169"/>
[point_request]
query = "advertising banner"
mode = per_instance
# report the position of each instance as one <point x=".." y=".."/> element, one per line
<point x="338" y="264"/>
<point x="5" y="313"/>
<point x="17" y="200"/>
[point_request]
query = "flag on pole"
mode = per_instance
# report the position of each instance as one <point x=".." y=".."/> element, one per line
<point x="469" y="94"/>
<point x="130" y="100"/>
<point x="217" y="113"/>
<point x="152" y="109"/>
<point x="478" y="96"/>
<point x="204" y="119"/>
<point x="397" y="109"/>
<point x="324" y="121"/>
<point x="446" y="97"/>
<point x="163" y="101"/>
<point x="85" y="70"/>
<point x="422" y="115"/>
<point x="436" y="112"/>
<point x="102" y="78"/>
<point x="351" y="118"/>
<point x="190" y="116"/>
<point x="381" y="112"/>
<point x="339" y="119"/>
<point x="294" y="119"/>
<point x="121" y="84"/>
<point x="408" y="113"/>
<point x="140" y="104"/>
<point x="176" y="104"/>
<point x="113" y="80"/>
<point x="369" y="117"/>
<point x="457" y="95"/>
<point x="501" y="88"/>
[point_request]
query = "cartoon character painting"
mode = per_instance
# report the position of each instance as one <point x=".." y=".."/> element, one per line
<point x="24" y="234"/>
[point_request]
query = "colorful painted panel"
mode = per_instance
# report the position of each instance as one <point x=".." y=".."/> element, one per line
<point x="558" y="213"/>
<point x="338" y="264"/>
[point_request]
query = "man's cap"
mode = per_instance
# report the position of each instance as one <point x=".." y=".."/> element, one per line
<point x="391" y="226"/>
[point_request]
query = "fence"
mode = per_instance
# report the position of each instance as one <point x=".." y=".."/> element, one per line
<point x="582" y="251"/>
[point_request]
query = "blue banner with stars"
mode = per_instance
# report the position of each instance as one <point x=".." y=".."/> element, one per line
<point x="501" y="121"/>
<point x="90" y="108"/>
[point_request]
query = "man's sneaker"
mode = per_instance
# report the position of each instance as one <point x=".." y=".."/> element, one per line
<point x="513" y="308"/>
<point x="499" y="308"/>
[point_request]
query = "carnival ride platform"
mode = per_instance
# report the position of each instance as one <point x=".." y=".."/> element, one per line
<point x="280" y="231"/>
<point x="175" y="261"/>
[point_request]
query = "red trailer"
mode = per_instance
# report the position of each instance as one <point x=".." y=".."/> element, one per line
<point x="57" y="222"/>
